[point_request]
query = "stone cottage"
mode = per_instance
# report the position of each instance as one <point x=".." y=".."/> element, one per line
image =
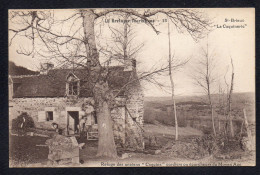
<point x="64" y="96"/>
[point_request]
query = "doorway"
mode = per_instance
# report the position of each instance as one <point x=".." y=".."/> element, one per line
<point x="73" y="121"/>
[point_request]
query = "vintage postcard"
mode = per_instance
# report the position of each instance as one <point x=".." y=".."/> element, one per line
<point x="132" y="87"/>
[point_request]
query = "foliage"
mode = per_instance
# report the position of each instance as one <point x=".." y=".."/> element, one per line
<point x="207" y="144"/>
<point x="23" y="122"/>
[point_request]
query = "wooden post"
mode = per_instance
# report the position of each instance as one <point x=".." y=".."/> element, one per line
<point x="249" y="135"/>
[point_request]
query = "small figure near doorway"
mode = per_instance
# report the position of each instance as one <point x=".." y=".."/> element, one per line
<point x="82" y="124"/>
<point x="55" y="126"/>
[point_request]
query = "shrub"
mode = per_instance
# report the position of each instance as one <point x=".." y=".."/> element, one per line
<point x="208" y="144"/>
<point x="23" y="122"/>
<point x="207" y="130"/>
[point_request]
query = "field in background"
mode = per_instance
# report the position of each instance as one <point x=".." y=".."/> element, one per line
<point x="193" y="111"/>
<point x="162" y="130"/>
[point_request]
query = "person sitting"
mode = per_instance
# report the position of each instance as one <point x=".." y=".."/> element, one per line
<point x="56" y="127"/>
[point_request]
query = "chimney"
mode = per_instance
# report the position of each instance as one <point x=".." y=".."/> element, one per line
<point x="45" y="67"/>
<point x="130" y="65"/>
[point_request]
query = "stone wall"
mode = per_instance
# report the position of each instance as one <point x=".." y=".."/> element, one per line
<point x="37" y="107"/>
<point x="134" y="118"/>
<point x="126" y="129"/>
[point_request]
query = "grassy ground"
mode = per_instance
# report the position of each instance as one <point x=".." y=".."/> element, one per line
<point x="160" y="129"/>
<point x="24" y="152"/>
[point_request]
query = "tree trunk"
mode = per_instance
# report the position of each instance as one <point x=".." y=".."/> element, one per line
<point x="106" y="143"/>
<point x="230" y="101"/>
<point x="125" y="38"/>
<point x="89" y="37"/>
<point x="176" y="121"/>
<point x="248" y="131"/>
<point x="208" y="89"/>
<point x="172" y="86"/>
<point x="210" y="103"/>
<point x="212" y="118"/>
<point x="174" y="107"/>
<point x="230" y="121"/>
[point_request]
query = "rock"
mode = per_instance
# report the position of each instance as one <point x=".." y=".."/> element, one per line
<point x="246" y="144"/>
<point x="157" y="152"/>
<point x="125" y="155"/>
<point x="63" y="149"/>
<point x="30" y="133"/>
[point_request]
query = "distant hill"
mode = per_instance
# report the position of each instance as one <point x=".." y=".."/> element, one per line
<point x="13" y="69"/>
<point x="249" y="96"/>
<point x="191" y="108"/>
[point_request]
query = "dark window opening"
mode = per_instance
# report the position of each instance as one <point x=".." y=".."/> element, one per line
<point x="73" y="88"/>
<point x="49" y="115"/>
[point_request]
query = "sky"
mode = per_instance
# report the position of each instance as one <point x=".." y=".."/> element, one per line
<point x="238" y="43"/>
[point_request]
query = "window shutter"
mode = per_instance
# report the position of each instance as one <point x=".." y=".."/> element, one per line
<point x="41" y="116"/>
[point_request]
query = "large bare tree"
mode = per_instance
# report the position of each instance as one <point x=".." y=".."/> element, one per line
<point x="77" y="44"/>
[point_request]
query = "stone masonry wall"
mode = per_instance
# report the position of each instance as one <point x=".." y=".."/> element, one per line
<point x="34" y="106"/>
<point x="38" y="106"/>
<point x="135" y="106"/>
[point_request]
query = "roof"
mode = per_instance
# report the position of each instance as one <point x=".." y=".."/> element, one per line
<point x="53" y="84"/>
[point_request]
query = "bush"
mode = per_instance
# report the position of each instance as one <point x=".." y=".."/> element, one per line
<point x="23" y="122"/>
<point x="208" y="144"/>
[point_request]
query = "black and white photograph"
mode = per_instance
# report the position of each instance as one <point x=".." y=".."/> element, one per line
<point x="131" y="87"/>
